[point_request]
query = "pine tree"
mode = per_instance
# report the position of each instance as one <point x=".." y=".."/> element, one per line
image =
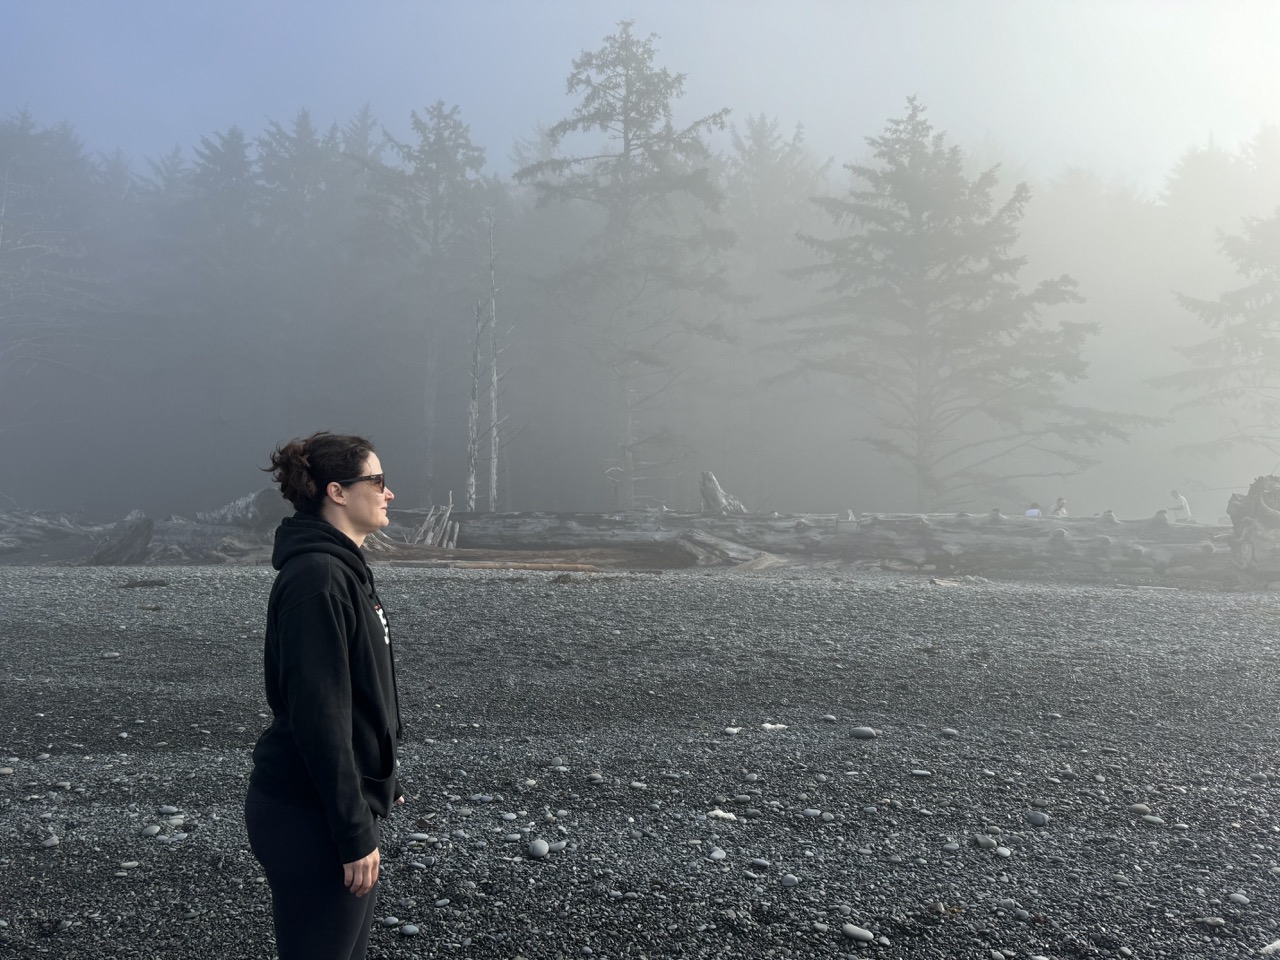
<point x="1238" y="369"/>
<point x="649" y="189"/>
<point x="923" y="317"/>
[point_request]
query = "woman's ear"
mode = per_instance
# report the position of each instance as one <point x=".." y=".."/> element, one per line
<point x="334" y="491"/>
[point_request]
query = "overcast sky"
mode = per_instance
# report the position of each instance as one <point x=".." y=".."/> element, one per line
<point x="1120" y="87"/>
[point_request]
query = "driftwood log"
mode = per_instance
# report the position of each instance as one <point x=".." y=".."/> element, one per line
<point x="947" y="543"/>
<point x="1244" y="554"/>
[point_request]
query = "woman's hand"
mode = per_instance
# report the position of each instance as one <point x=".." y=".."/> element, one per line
<point x="359" y="876"/>
<point x="400" y="799"/>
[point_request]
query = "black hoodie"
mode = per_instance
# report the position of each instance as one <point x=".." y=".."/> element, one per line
<point x="330" y="679"/>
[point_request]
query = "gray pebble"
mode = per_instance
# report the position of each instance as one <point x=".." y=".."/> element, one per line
<point x="538" y="848"/>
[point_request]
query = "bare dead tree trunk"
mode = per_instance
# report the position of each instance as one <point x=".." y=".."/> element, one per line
<point x="628" y="491"/>
<point x="494" y="419"/>
<point x="473" y="410"/>
<point x="429" y="416"/>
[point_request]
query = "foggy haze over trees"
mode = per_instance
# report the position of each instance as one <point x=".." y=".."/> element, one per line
<point x="909" y="328"/>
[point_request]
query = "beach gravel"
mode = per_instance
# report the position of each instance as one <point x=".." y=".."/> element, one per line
<point x="794" y="763"/>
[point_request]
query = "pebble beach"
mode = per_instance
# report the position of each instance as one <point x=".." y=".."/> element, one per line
<point x="792" y="763"/>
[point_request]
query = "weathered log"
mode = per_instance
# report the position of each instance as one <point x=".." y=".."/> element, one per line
<point x="707" y="550"/>
<point x="261" y="510"/>
<point x="126" y="543"/>
<point x="1087" y="546"/>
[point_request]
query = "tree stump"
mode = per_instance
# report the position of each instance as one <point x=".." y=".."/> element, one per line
<point x="715" y="502"/>
<point x="125" y="543"/>
<point x="1255" y="528"/>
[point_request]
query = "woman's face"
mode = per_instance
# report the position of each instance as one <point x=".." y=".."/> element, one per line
<point x="366" y="506"/>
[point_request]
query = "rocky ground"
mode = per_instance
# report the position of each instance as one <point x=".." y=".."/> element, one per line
<point x="788" y="764"/>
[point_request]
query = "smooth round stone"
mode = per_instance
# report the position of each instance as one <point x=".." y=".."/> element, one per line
<point x="109" y="655"/>
<point x="167" y="810"/>
<point x="50" y="842"/>
<point x="539" y="848"/>
<point x="442" y="902"/>
<point x="751" y="777"/>
<point x="558" y="846"/>
<point x="391" y="921"/>
<point x="508" y="817"/>
<point x="6" y="771"/>
<point x="1003" y="852"/>
<point x="950" y="732"/>
<point x="828" y="718"/>
<point x="1239" y="898"/>
<point x="558" y="762"/>
<point x="811" y="812"/>
<point x="129" y="865"/>
<point x="637" y="785"/>
<point x="1153" y="820"/>
<point x="42" y="756"/>
<point x="718" y="854"/>
<point x="789" y="880"/>
<point x="922" y="773"/>
<point x="151" y="831"/>
<point x="855" y="932"/>
<point x="1037" y="818"/>
<point x="420" y="837"/>
<point x="863" y="733"/>
<point x="595" y="778"/>
<point x="951" y="846"/>
<point x="63" y="785"/>
<point x="760" y="862"/>
<point x="511" y="838"/>
<point x="408" y="930"/>
<point x="1141" y="809"/>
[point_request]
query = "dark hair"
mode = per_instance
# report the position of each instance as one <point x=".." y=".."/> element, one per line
<point x="304" y="466"/>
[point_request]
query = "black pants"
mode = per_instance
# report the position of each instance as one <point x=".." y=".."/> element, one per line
<point x="316" y="916"/>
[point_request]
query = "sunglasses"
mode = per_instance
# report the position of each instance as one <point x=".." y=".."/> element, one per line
<point x="377" y="479"/>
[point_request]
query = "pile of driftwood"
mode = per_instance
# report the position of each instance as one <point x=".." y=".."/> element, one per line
<point x="1245" y="553"/>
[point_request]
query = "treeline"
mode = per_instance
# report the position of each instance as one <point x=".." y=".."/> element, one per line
<point x="913" y="330"/>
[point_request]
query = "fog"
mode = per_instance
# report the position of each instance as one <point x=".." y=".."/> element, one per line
<point x="224" y="226"/>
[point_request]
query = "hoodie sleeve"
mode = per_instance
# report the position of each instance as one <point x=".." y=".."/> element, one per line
<point x="315" y="681"/>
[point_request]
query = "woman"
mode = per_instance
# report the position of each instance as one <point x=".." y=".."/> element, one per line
<point x="324" y="771"/>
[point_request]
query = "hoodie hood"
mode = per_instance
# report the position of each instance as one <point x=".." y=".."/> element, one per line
<point x="301" y="534"/>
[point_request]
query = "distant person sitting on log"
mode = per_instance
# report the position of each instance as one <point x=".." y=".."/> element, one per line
<point x="1179" y="510"/>
<point x="1033" y="510"/>
<point x="324" y="771"/>
<point x="1060" y="507"/>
